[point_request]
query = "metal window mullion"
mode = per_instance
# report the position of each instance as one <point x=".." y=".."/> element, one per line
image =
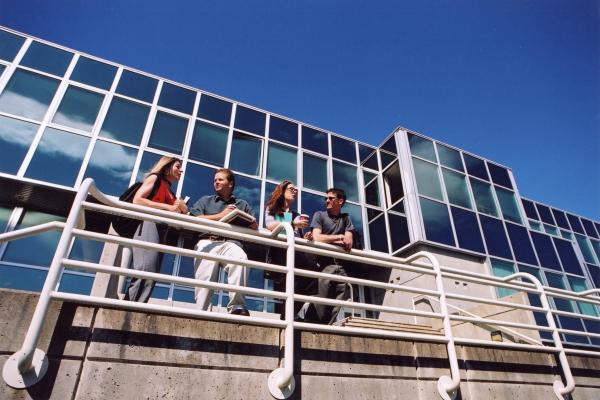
<point x="230" y="135"/>
<point x="187" y="143"/>
<point x="412" y="208"/>
<point x="12" y="67"/>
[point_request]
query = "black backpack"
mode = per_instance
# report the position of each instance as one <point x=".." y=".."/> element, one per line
<point x="125" y="226"/>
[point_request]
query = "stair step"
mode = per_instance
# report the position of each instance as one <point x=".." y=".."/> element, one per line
<point x="387" y="325"/>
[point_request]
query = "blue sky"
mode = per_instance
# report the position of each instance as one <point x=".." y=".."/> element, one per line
<point x="517" y="82"/>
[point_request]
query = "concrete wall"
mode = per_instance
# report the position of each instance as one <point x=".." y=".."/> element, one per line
<point x="98" y="353"/>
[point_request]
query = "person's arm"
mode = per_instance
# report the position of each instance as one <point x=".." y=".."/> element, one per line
<point x="270" y="222"/>
<point x="324" y="238"/>
<point x="141" y="199"/>
<point x="248" y="210"/>
<point x="198" y="211"/>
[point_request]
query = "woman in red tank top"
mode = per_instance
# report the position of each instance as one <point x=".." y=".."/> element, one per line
<point x="167" y="170"/>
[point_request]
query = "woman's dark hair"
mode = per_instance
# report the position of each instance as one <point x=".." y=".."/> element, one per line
<point x="276" y="202"/>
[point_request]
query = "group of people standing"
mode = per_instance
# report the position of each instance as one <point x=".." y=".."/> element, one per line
<point x="328" y="226"/>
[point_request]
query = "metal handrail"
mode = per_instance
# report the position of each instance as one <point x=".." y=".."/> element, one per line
<point x="27" y="366"/>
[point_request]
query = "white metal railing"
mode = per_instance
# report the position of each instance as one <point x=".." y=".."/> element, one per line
<point x="28" y="365"/>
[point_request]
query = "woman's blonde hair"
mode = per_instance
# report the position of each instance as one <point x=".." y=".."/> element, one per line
<point x="162" y="166"/>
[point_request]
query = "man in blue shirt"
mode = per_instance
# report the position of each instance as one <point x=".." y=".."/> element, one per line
<point x="215" y="207"/>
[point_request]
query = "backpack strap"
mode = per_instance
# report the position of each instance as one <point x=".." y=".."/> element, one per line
<point x="156" y="186"/>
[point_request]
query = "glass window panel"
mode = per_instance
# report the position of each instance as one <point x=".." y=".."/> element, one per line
<point x="245" y="154"/>
<point x="75" y="283"/>
<point x="551" y="230"/>
<point x="499" y="175"/>
<point x="597" y="227"/>
<point x="475" y="167"/>
<point x="111" y="166"/>
<point x="589" y="228"/>
<point x="501" y="269"/>
<point x="372" y="162"/>
<point x="5" y="213"/>
<point x="557" y="281"/>
<point x="148" y="161"/>
<point x="10" y="44"/>
<point x="177" y="98"/>
<point x="561" y="219"/>
<point x="78" y="109"/>
<point x="58" y="157"/>
<point x="283" y="130"/>
<point x="392" y="181"/>
<point x="596" y="247"/>
<point x="421" y="147"/>
<point x="595" y="275"/>
<point x="125" y="121"/>
<point x="314" y="172"/>
<point x="19" y="251"/>
<point x="250" y="120"/>
<point x="86" y="250"/>
<point x="281" y="163"/>
<point x="47" y="58"/>
<point x="398" y="231"/>
<point x="535" y="225"/>
<point x="15" y="138"/>
<point x="586" y="249"/>
<point x="214" y="109"/>
<point x="398" y="207"/>
<point x="567" y="256"/>
<point x="545" y="251"/>
<point x="28" y="95"/>
<point x="530" y="209"/>
<point x="314" y="140"/>
<point x="197" y="182"/>
<point x="371" y="189"/>
<point x="580" y="285"/>
<point x="344" y="177"/>
<point x="364" y="152"/>
<point x="495" y="237"/>
<point x="2" y="68"/>
<point x="521" y="244"/>
<point x="390" y="145"/>
<point x="428" y="182"/>
<point x="545" y="214"/>
<point x="484" y="200"/>
<point x="209" y="143"/>
<point x="449" y="157"/>
<point x="312" y="203"/>
<point x="508" y="205"/>
<point x="138" y="86"/>
<point x="378" y="235"/>
<point x="22" y="278"/>
<point x="467" y="230"/>
<point x="575" y="224"/>
<point x="386" y="158"/>
<point x="533" y="271"/>
<point x="249" y="190"/>
<point x="572" y="324"/>
<point x="168" y="132"/>
<point x="343" y="149"/>
<point x="437" y="222"/>
<point x="566" y="235"/>
<point x="456" y="188"/>
<point x="355" y="214"/>
<point x="94" y="73"/>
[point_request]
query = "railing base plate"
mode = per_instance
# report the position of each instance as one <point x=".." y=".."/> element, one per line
<point x="14" y="378"/>
<point x="445" y="382"/>
<point x="274" y="388"/>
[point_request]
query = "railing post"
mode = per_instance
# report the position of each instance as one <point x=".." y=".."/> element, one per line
<point x="29" y="365"/>
<point x="281" y="381"/>
<point x="560" y="389"/>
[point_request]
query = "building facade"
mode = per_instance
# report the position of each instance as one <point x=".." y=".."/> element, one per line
<point x="65" y="116"/>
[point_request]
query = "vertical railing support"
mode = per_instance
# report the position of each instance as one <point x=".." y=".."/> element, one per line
<point x="281" y="381"/>
<point x="560" y="389"/>
<point x="29" y="365"/>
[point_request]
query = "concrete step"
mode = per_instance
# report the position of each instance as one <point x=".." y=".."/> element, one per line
<point x="370" y="323"/>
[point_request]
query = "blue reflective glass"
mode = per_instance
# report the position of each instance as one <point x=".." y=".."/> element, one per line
<point x="281" y="163"/>
<point x="545" y="214"/>
<point x="421" y="147"/>
<point x="209" y="143"/>
<point x="557" y="281"/>
<point x="580" y="285"/>
<point x="197" y="181"/>
<point x="521" y="244"/>
<point x="9" y="45"/>
<point x="365" y="152"/>
<point x="550" y="229"/>
<point x="58" y="157"/>
<point x="250" y="120"/>
<point x="575" y="224"/>
<point x="2" y="68"/>
<point x="15" y="138"/>
<point x="314" y="172"/>
<point x="428" y="181"/>
<point x="214" y="109"/>
<point x="78" y="109"/>
<point x="589" y="228"/>
<point x="344" y="177"/>
<point x="501" y="269"/>
<point x="475" y="167"/>
<point x="508" y="205"/>
<point x="355" y="214"/>
<point x="545" y="251"/>
<point x="22" y="278"/>
<point x="390" y="145"/>
<point x="5" y="213"/>
<point x="574" y="324"/>
<point x="386" y="159"/>
<point x="249" y="190"/>
<point x="343" y="149"/>
<point x="75" y="283"/>
<point x="47" y="58"/>
<point x="183" y="295"/>
<point x="28" y="95"/>
<point x="137" y="86"/>
<point x="111" y="166"/>
<point x="371" y="162"/>
<point x="398" y="231"/>
<point x="437" y="222"/>
<point x="467" y="230"/>
<point x="456" y="188"/>
<point x="314" y="140"/>
<point x="312" y="203"/>
<point x="245" y="154"/>
<point x="125" y="121"/>
<point x="20" y="251"/>
<point x="561" y="219"/>
<point x="484" y="200"/>
<point x="378" y="235"/>
<point x="168" y="132"/>
<point x="595" y="275"/>
<point x="596" y="247"/>
<point x="148" y="161"/>
<point x="283" y="130"/>
<point x="393" y="182"/>
<point x="86" y="250"/>
<point x="499" y="175"/>
<point x="449" y="157"/>
<point x="94" y="73"/>
<point x="567" y="255"/>
<point x="372" y="195"/>
<point x="530" y="209"/>
<point x="495" y="237"/>
<point x="177" y="98"/>
<point x="586" y="249"/>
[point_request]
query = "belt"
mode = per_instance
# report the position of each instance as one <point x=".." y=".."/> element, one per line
<point x="213" y="238"/>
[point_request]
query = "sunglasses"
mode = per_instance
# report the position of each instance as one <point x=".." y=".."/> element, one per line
<point x="330" y="198"/>
<point x="292" y="189"/>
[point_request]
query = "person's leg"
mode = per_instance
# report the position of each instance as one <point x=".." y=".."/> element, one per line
<point x="144" y="260"/>
<point x="205" y="270"/>
<point x="333" y="290"/>
<point x="339" y="292"/>
<point x="236" y="274"/>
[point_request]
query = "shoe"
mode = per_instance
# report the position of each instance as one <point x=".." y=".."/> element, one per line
<point x="239" y="310"/>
